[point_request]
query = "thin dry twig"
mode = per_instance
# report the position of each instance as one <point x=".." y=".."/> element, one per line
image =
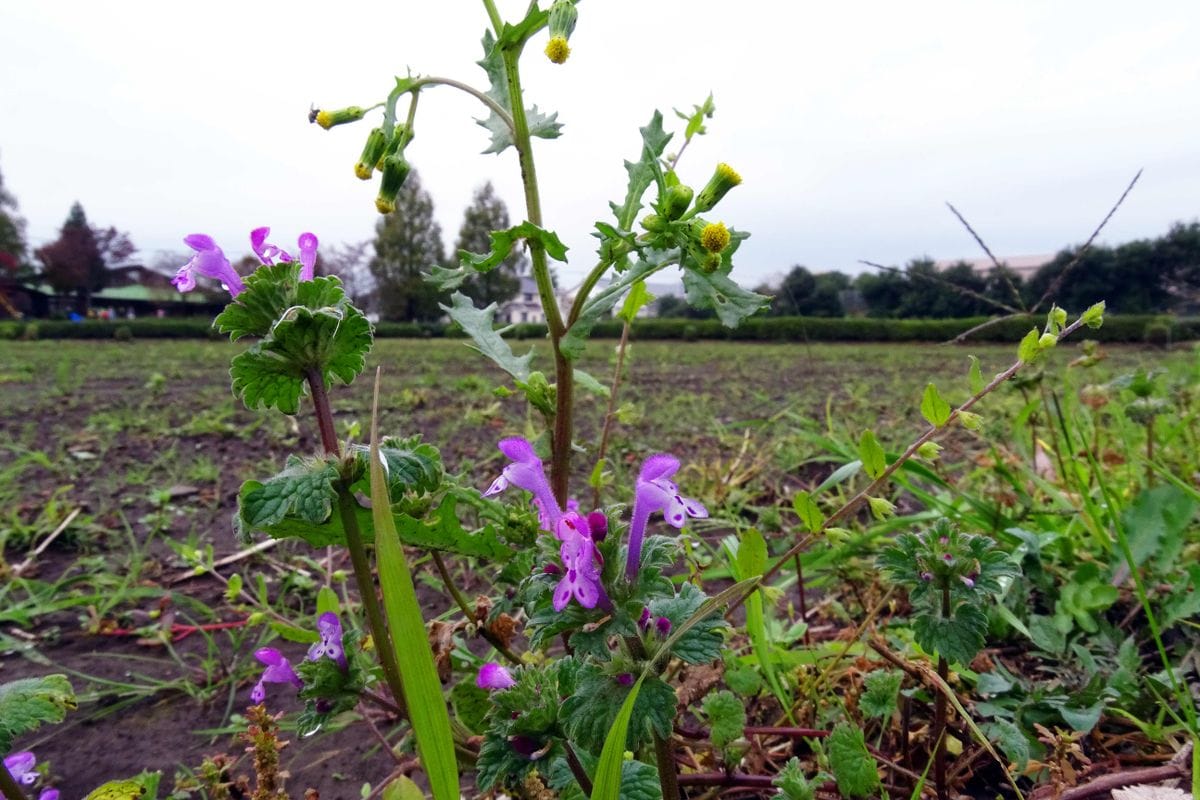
<point x="41" y="548"/>
<point x="995" y="262"/>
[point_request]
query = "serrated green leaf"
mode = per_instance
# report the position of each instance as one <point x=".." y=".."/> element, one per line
<point x="934" y="408"/>
<point x="958" y="639"/>
<point x="643" y="172"/>
<point x="304" y="489"/>
<point x="716" y="291"/>
<point x="333" y="341"/>
<point x="1011" y="741"/>
<point x="503" y="243"/>
<point x="1029" y="350"/>
<point x="28" y="703"/>
<point x="882" y="689"/>
<point x="851" y="762"/>
<point x="539" y="124"/>
<point x="427" y="710"/>
<point x="792" y="783"/>
<point x="806" y="509"/>
<point x="129" y="789"/>
<point x="975" y="376"/>
<point x="698" y="643"/>
<point x="410" y="466"/>
<point x="726" y="716"/>
<point x="637" y="299"/>
<point x="874" y="462"/>
<point x="478" y="324"/>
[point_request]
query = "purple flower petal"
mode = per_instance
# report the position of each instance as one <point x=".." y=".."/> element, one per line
<point x="329" y="628"/>
<point x="278" y="670"/>
<point x="199" y="242"/>
<point x="656" y="492"/>
<point x="21" y="767"/>
<point x="308" y="255"/>
<point x="48" y="794"/>
<point x="494" y="677"/>
<point x="526" y="472"/>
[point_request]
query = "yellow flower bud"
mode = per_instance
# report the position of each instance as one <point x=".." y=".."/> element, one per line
<point x="328" y="119"/>
<point x="395" y="171"/>
<point x="714" y="237"/>
<point x="371" y="153"/>
<point x="557" y="50"/>
<point x="723" y="179"/>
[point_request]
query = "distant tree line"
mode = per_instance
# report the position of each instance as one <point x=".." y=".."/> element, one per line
<point x="1147" y="276"/>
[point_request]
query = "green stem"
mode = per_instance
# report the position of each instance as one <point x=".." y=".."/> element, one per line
<point x="564" y="373"/>
<point x="494" y="16"/>
<point x="9" y="786"/>
<point x="664" y="755"/>
<point x="365" y="579"/>
<point x="585" y="289"/>
<point x="939" y="714"/>
<point x="612" y="404"/>
<point x="363" y="575"/>
<point x="465" y="607"/>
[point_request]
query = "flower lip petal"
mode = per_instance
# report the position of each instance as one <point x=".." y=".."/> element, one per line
<point x="518" y="449"/>
<point x="199" y="242"/>
<point x="20" y="766"/>
<point x="307" y="241"/>
<point x="660" y="465"/>
<point x="269" y="656"/>
<point x="258" y="237"/>
<point x="494" y="677"/>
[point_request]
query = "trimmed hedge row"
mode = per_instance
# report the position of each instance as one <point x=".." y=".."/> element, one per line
<point x="1157" y="330"/>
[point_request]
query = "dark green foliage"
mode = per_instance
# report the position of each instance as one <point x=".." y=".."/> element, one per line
<point x="804" y="294"/>
<point x="497" y="278"/>
<point x="702" y="643"/>
<point x="13" y="254"/>
<point x="408" y="243"/>
<point x="639" y="780"/>
<point x="882" y="688"/>
<point x="589" y="712"/>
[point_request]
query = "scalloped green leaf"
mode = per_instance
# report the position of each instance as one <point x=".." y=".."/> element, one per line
<point x="852" y="764"/>
<point x="28" y="703"/>
<point x="304" y="489"/>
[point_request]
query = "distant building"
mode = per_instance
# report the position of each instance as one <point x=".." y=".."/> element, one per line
<point x="524" y="307"/>
<point x="1023" y="267"/>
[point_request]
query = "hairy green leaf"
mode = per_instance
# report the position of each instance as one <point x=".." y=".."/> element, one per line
<point x="852" y="764"/>
<point x="882" y="689"/>
<point x="726" y="715"/>
<point x="28" y="703"/>
<point x="304" y="489"/>
<point x="958" y="638"/>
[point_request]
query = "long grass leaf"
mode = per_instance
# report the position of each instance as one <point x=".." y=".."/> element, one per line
<point x="607" y="784"/>
<point x="422" y="689"/>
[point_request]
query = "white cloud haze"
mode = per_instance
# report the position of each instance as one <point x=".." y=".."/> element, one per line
<point x="851" y="124"/>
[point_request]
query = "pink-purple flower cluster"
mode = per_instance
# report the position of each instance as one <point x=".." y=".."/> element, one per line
<point x="210" y="261"/>
<point x="277" y="668"/>
<point x="581" y="561"/>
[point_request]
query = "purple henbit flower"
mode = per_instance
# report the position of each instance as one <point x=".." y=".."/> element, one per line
<point x="968" y="581"/>
<point x="267" y="253"/>
<point x="927" y="576"/>
<point x="528" y="747"/>
<point x="582" y="577"/>
<point x="48" y="794"/>
<point x="329" y="627"/>
<point x="552" y="569"/>
<point x="278" y="670"/>
<point x="644" y="620"/>
<point x="544" y="519"/>
<point x="656" y="492"/>
<point x="494" y="677"/>
<point x="21" y="767"/>
<point x="625" y="679"/>
<point x="210" y="262"/>
<point x="663" y="626"/>
<point x="526" y="472"/>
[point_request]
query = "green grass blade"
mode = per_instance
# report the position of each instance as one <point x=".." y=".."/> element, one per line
<point x="607" y="784"/>
<point x="422" y="689"/>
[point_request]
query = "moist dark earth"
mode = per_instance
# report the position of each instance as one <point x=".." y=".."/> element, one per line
<point x="136" y="451"/>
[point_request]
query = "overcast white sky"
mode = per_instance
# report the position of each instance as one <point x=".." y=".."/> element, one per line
<point x="851" y="123"/>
